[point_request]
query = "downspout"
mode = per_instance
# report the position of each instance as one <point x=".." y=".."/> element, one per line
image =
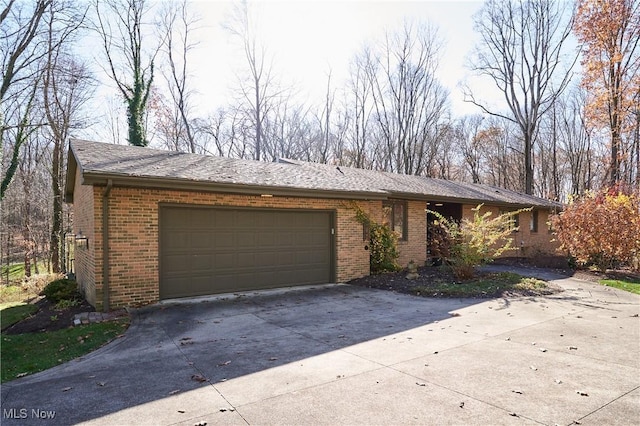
<point x="105" y="246"/>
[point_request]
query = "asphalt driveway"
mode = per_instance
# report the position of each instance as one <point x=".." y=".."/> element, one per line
<point x="347" y="355"/>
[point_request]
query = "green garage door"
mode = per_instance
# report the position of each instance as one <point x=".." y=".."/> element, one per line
<point x="215" y="250"/>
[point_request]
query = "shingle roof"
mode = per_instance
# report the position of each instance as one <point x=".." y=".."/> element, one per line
<point x="138" y="166"/>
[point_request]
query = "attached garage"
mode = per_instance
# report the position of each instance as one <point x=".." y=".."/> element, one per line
<point x="161" y="225"/>
<point x="209" y="250"/>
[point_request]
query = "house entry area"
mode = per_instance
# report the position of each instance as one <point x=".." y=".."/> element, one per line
<point x="210" y="250"/>
<point x="435" y="235"/>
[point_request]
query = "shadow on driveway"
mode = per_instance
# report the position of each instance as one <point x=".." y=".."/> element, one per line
<point x="170" y="347"/>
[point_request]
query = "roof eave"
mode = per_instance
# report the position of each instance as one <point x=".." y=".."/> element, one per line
<point x="99" y="179"/>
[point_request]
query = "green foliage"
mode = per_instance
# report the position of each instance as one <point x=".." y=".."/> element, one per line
<point x="29" y="353"/>
<point x="475" y="242"/>
<point x="12" y="314"/>
<point x="383" y="243"/>
<point x="601" y="228"/>
<point x="66" y="304"/>
<point x="630" y="286"/>
<point x="62" y="289"/>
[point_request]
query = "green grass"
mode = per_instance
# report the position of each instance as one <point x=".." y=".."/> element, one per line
<point x="11" y="313"/>
<point x="630" y="286"/>
<point x="16" y="271"/>
<point x="28" y="353"/>
<point x="487" y="286"/>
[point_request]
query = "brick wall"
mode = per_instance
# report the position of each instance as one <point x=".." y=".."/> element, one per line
<point x="134" y="235"/>
<point x="84" y="220"/>
<point x="414" y="248"/>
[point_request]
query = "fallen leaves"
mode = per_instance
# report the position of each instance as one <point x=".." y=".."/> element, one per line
<point x="198" y="378"/>
<point x="222" y="364"/>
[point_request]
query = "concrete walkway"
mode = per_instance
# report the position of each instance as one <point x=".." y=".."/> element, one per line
<point x="347" y="355"/>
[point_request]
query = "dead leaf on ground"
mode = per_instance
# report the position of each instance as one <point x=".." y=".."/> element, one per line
<point x="198" y="378"/>
<point x="67" y="389"/>
<point x="173" y="392"/>
<point x="222" y="364"/>
<point x="101" y="383"/>
<point x="273" y="358"/>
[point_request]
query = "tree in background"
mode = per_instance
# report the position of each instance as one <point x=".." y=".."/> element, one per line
<point x="22" y="47"/>
<point x="120" y="27"/>
<point x="522" y="52"/>
<point x="176" y="27"/>
<point x="256" y="89"/>
<point x="66" y="88"/>
<point x="601" y="228"/>
<point x="609" y="31"/>
<point x="409" y="102"/>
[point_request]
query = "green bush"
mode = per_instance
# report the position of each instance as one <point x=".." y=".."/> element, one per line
<point x="383" y="243"/>
<point x="476" y="242"/>
<point x="62" y="289"/>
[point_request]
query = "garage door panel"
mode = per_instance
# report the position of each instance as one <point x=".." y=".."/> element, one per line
<point x="224" y="260"/>
<point x="210" y="250"/>
<point x="223" y="240"/>
<point x="244" y="239"/>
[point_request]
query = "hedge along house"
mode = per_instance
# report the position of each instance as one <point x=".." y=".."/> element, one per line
<point x="157" y="225"/>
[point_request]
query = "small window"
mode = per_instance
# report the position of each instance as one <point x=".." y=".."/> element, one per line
<point x="533" y="225"/>
<point x="394" y="215"/>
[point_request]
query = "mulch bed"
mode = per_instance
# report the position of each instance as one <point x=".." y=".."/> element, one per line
<point x="47" y="318"/>
<point x="396" y="281"/>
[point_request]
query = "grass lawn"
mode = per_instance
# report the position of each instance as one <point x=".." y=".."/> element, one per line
<point x="12" y="312"/>
<point x="16" y="270"/>
<point x="486" y="286"/>
<point x="28" y="353"/>
<point x="630" y="286"/>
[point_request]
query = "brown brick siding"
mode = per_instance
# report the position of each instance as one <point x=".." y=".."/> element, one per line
<point x="414" y="248"/>
<point x="134" y="234"/>
<point x="84" y="220"/>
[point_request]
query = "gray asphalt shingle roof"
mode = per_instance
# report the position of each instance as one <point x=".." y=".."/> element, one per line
<point x="98" y="161"/>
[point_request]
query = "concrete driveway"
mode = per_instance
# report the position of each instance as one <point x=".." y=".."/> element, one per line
<point x="347" y="355"/>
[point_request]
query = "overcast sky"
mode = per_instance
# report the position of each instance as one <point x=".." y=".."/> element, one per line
<point x="310" y="38"/>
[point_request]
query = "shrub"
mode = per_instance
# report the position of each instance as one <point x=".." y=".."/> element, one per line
<point x="475" y="242"/>
<point x="601" y="228"/>
<point x="62" y="289"/>
<point x="383" y="243"/>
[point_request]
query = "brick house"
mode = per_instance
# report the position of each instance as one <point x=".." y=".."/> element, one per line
<point x="153" y="225"/>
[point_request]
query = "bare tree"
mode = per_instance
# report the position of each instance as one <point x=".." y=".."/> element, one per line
<point x="120" y="27"/>
<point x="22" y="47"/>
<point x="521" y="51"/>
<point x="470" y="146"/>
<point x="66" y="87"/>
<point x="408" y="99"/>
<point x="359" y="107"/>
<point x="257" y="89"/>
<point x="176" y="26"/>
